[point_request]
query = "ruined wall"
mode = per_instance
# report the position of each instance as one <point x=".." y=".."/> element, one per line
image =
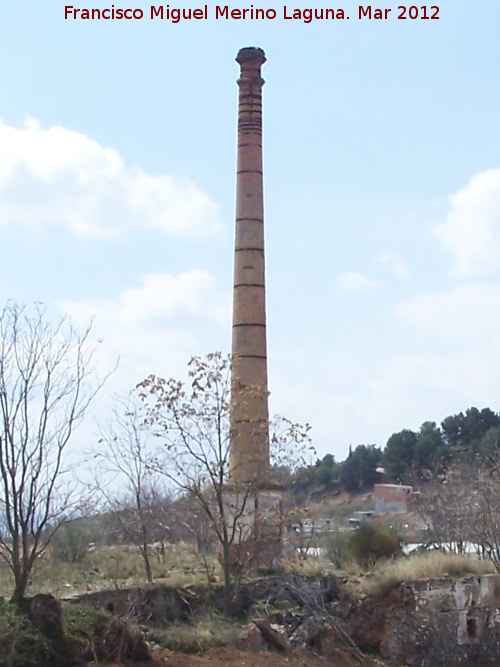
<point x="443" y="622"/>
<point x="156" y="604"/>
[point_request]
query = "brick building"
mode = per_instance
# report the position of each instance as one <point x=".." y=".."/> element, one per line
<point x="394" y="498"/>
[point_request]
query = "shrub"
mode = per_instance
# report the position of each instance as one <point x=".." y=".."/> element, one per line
<point x="372" y="542"/>
<point x="337" y="547"/>
<point x="70" y="543"/>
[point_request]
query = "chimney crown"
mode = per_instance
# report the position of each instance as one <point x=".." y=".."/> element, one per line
<point x="249" y="54"/>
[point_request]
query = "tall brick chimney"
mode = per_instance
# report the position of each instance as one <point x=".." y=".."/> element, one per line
<point x="249" y="448"/>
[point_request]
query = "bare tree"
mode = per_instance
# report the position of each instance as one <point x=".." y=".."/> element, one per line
<point x="47" y="382"/>
<point x="484" y="506"/>
<point x="462" y="507"/>
<point x="192" y="419"/>
<point x="445" y="506"/>
<point x="129" y="483"/>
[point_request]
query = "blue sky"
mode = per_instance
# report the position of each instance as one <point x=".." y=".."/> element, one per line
<point x="382" y="189"/>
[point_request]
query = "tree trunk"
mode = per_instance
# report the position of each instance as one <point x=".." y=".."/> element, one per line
<point x="228" y="588"/>
<point x="147" y="562"/>
<point x="21" y="585"/>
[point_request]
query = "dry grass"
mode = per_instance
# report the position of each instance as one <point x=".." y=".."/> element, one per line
<point x="112" y="567"/>
<point x="310" y="567"/>
<point x="121" y="567"/>
<point x="390" y="574"/>
<point x="202" y="635"/>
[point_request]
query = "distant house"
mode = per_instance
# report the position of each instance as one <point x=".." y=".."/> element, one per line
<point x="394" y="498"/>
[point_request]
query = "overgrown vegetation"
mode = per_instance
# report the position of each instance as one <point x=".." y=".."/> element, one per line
<point x="101" y="636"/>
<point x="21" y="643"/>
<point x="84" y="633"/>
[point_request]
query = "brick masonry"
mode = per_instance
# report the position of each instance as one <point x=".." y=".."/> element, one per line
<point x="249" y="449"/>
<point x="394" y="498"/>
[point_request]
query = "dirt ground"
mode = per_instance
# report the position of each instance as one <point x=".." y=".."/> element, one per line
<point x="232" y="657"/>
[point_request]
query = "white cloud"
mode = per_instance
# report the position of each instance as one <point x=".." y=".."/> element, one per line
<point x="161" y="297"/>
<point x="58" y="176"/>
<point x="156" y="326"/>
<point x="395" y="264"/>
<point x="471" y="230"/>
<point x="354" y="282"/>
<point x="469" y="314"/>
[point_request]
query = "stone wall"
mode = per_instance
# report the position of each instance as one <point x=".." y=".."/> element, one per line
<point x="155" y="604"/>
<point x="443" y="622"/>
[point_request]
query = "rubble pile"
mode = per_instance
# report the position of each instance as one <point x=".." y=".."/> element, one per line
<point x="305" y="612"/>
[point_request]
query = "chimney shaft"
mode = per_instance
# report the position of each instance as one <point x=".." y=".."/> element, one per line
<point x="249" y="449"/>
